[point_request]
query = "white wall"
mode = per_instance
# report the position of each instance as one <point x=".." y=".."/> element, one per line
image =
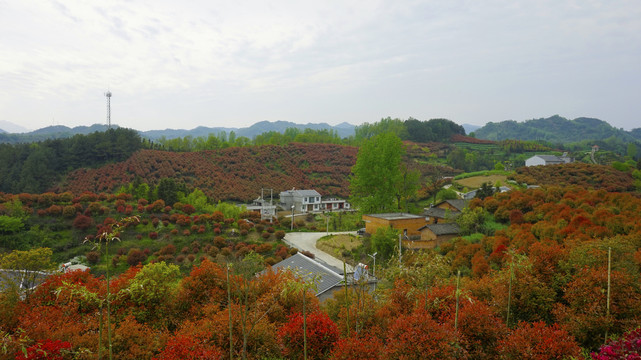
<point x="534" y="161"/>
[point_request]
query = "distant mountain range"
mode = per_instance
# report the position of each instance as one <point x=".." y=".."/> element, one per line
<point x="470" y="128"/>
<point x="343" y="130"/>
<point x="556" y="129"/>
<point x="54" y="132"/>
<point x="8" y="127"/>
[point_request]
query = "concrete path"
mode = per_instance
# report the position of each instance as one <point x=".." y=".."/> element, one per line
<point x="306" y="241"/>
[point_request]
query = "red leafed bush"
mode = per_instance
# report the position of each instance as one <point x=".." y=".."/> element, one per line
<point x="538" y="341"/>
<point x="45" y="350"/>
<point x="188" y="209"/>
<point x="186" y="348"/>
<point x="82" y="222"/>
<point x="322" y="333"/>
<point x="362" y="348"/>
<point x="418" y="336"/>
<point x="135" y="257"/>
<point x="626" y="347"/>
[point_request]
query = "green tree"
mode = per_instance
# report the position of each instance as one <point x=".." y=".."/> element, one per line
<point x="170" y="191"/>
<point x="485" y="190"/>
<point x="384" y="241"/>
<point x="10" y="225"/>
<point x="153" y="290"/>
<point x="472" y="220"/>
<point x="386" y="125"/>
<point x="407" y="187"/>
<point x="377" y="175"/>
<point x="632" y="151"/>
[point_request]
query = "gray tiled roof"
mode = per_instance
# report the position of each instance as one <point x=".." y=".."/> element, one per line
<point x="395" y="216"/>
<point x="443" y="229"/>
<point x="551" y="158"/>
<point x="306" y="267"/>
<point x="435" y="212"/>
<point x="460" y="204"/>
<point x="304" y="193"/>
<point x="441" y="213"/>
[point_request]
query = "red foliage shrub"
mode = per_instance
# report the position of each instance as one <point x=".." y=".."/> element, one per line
<point x="282" y="252"/>
<point x="187" y="348"/>
<point x="69" y="211"/>
<point x="135" y="257"/>
<point x="46" y="350"/>
<point x="217" y="216"/>
<point x="188" y="209"/>
<point x="82" y="222"/>
<point x="626" y="347"/>
<point x="54" y="210"/>
<point x="205" y="283"/>
<point x="220" y="241"/>
<point x="362" y="348"/>
<point x="417" y="336"/>
<point x="169" y="249"/>
<point x="322" y="333"/>
<point x="264" y="248"/>
<point x="535" y="341"/>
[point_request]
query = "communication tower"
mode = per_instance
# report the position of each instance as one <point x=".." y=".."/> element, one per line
<point x="108" y="95"/>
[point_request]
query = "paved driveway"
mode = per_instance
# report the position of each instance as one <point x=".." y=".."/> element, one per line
<point x="306" y="241"/>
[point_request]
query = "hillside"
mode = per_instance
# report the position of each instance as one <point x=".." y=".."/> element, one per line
<point x="587" y="176"/>
<point x="235" y="174"/>
<point x="542" y="281"/>
<point x="555" y="129"/>
<point x="238" y="173"/>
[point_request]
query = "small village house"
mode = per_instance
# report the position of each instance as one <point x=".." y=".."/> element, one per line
<point x="407" y="224"/>
<point x="306" y="201"/>
<point x="445" y="211"/>
<point x="537" y="160"/>
<point x="327" y="280"/>
<point x="302" y="200"/>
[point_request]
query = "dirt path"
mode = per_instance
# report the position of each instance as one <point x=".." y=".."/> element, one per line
<point x="306" y="241"/>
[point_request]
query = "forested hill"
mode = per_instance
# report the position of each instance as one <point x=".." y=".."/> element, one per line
<point x="236" y="173"/>
<point x="37" y="167"/>
<point x="556" y="129"/>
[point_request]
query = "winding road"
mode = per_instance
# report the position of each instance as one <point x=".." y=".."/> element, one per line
<point x="306" y="241"/>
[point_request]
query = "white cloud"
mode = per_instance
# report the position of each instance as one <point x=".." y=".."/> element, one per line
<point x="318" y="61"/>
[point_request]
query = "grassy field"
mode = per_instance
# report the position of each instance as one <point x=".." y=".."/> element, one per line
<point x="336" y="244"/>
<point x="477" y="181"/>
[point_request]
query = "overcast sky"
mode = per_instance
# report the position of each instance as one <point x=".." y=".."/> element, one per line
<point x="172" y="64"/>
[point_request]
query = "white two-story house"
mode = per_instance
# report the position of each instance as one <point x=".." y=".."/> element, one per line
<point x="302" y="200"/>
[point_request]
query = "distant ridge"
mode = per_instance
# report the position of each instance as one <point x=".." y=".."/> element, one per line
<point x="9" y="127"/>
<point x="555" y="129"/>
<point x="343" y="130"/>
<point x="59" y="131"/>
<point x="470" y="128"/>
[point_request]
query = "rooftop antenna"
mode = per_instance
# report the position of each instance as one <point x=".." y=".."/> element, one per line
<point x="108" y="95"/>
